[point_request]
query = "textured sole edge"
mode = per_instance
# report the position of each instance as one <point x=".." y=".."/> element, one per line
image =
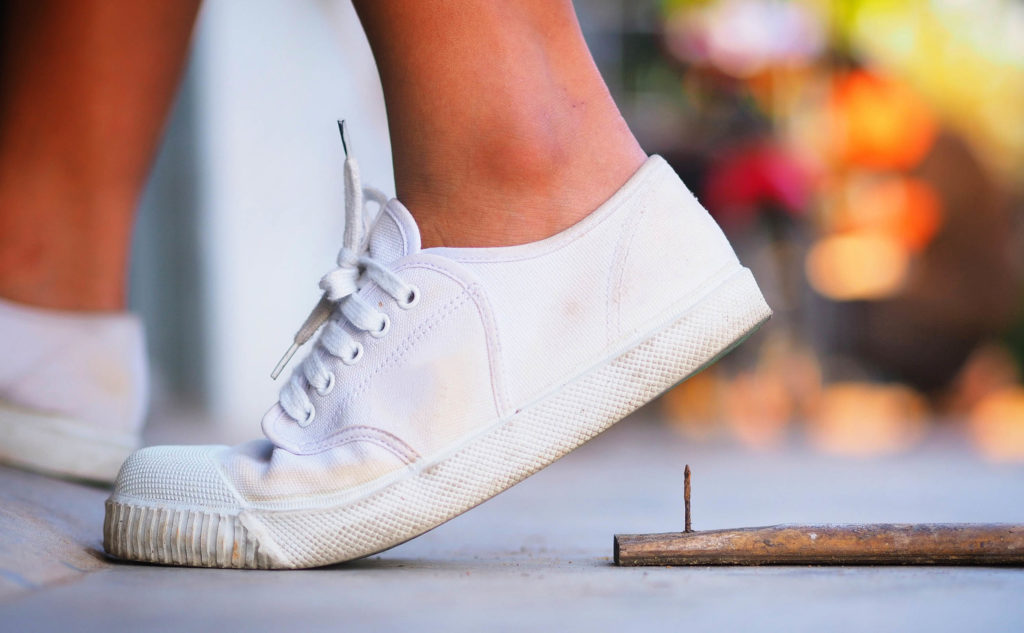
<point x="528" y="441"/>
<point x="61" y="446"/>
<point x="180" y="536"/>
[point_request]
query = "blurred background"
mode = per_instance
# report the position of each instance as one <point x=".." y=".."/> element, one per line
<point x="866" y="158"/>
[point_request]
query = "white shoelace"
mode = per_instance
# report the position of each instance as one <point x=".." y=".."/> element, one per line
<point x="341" y="303"/>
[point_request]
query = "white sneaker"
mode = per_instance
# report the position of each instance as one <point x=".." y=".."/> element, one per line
<point x="444" y="376"/>
<point x="73" y="390"/>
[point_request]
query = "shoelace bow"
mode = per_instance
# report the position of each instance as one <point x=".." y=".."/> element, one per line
<point x="340" y="302"/>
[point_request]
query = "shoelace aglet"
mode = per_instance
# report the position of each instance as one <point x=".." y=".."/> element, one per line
<point x="281" y="364"/>
<point x="317" y="317"/>
<point x="343" y="130"/>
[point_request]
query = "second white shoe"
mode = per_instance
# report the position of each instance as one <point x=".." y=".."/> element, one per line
<point x="443" y="376"/>
<point x="73" y="390"/>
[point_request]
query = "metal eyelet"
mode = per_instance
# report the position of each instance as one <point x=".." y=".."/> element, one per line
<point x="310" y="416"/>
<point x="412" y="299"/>
<point x="357" y="354"/>
<point x="385" y="325"/>
<point x="329" y="387"/>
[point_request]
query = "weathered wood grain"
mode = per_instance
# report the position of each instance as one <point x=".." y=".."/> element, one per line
<point x="870" y="544"/>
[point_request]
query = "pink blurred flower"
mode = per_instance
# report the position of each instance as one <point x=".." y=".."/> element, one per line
<point x="753" y="179"/>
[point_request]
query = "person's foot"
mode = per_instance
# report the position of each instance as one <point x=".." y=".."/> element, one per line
<point x="73" y="390"/>
<point x="444" y="376"/>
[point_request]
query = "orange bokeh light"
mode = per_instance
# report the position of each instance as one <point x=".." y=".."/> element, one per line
<point x="996" y="424"/>
<point x="867" y="419"/>
<point x="758" y="408"/>
<point x="905" y="209"/>
<point x="857" y="266"/>
<point x="880" y="122"/>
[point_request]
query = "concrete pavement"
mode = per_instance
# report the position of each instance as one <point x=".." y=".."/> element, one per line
<point x="538" y="556"/>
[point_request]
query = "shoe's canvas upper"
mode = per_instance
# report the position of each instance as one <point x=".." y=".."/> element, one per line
<point x="90" y="368"/>
<point x="493" y="330"/>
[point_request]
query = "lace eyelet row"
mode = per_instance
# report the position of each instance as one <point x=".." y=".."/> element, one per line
<point x="410" y="301"/>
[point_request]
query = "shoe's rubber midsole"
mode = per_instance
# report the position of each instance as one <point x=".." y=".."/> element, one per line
<point x="428" y="496"/>
<point x="62" y="446"/>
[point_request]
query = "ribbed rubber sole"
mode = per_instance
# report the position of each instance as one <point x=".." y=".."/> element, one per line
<point x="180" y="537"/>
<point x="434" y="492"/>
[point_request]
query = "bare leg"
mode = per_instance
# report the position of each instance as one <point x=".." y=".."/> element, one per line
<point x="85" y="86"/>
<point x="502" y="130"/>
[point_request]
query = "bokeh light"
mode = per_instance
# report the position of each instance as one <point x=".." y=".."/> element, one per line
<point x="879" y="122"/>
<point x="857" y="266"/>
<point x="866" y="157"/>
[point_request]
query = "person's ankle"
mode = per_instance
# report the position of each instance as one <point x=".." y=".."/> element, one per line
<point x="516" y="190"/>
<point x="61" y="279"/>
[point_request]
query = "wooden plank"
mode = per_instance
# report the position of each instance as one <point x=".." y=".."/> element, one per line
<point x="870" y="544"/>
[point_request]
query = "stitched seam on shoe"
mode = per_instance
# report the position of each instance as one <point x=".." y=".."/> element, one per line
<point x="298" y="446"/>
<point x="639" y="188"/>
<point x="493" y="341"/>
<point x="400" y="225"/>
<point x="491" y="334"/>
<point x="372" y="434"/>
<point x="391" y="358"/>
<point x="617" y="270"/>
<point x="413" y="337"/>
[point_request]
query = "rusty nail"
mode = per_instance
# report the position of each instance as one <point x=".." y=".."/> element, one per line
<point x="686" y="496"/>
